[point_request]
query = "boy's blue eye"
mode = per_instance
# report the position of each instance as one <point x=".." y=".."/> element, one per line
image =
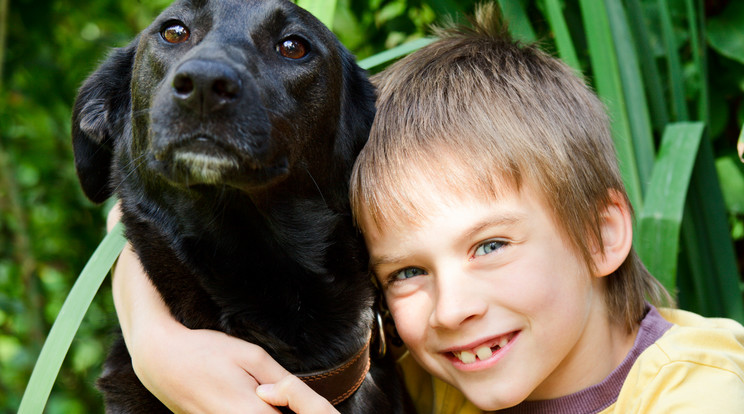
<point x="407" y="273"/>
<point x="489" y="247"/>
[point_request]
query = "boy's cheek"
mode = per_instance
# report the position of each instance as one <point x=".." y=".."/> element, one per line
<point x="410" y="320"/>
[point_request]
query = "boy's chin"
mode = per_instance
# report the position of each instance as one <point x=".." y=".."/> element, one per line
<point x="488" y="406"/>
<point x="489" y="401"/>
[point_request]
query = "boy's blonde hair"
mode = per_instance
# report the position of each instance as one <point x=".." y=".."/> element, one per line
<point x="477" y="114"/>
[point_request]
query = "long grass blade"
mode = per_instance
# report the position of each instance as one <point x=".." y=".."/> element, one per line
<point x="674" y="67"/>
<point x="323" y="10"/>
<point x="633" y="87"/>
<point x="696" y="23"/>
<point x="519" y="24"/>
<point x="68" y="321"/>
<point x="652" y="79"/>
<point x="389" y="55"/>
<point x="607" y="81"/>
<point x="563" y="42"/>
<point x="661" y="217"/>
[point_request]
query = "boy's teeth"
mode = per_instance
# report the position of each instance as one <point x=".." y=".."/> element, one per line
<point x="469" y="357"/>
<point x="483" y="353"/>
<point x="503" y="341"/>
<point x="466" y="357"/>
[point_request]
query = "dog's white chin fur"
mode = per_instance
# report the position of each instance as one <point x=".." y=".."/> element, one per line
<point x="204" y="168"/>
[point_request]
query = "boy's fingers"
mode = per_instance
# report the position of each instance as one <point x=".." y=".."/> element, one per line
<point x="259" y="364"/>
<point x="114" y="216"/>
<point x="291" y="392"/>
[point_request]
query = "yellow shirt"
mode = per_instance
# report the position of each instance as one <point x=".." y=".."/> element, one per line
<point x="696" y="366"/>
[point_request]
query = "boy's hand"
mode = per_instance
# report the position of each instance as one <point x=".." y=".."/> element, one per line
<point x="291" y="392"/>
<point x="202" y="371"/>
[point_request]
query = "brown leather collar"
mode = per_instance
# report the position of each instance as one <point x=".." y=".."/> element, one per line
<point x="339" y="383"/>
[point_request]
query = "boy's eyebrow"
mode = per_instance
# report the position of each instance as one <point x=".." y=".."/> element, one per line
<point x="498" y="220"/>
<point x="375" y="262"/>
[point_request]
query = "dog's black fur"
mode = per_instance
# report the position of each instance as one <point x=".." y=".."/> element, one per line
<point x="231" y="161"/>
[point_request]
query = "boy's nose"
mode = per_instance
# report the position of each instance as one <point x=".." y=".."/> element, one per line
<point x="458" y="299"/>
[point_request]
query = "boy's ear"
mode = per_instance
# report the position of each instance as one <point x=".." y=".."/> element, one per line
<point x="617" y="235"/>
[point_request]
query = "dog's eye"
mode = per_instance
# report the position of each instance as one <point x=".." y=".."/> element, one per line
<point x="292" y="48"/>
<point x="175" y="32"/>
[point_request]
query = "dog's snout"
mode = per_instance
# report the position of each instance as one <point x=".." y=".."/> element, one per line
<point x="183" y="84"/>
<point x="206" y="86"/>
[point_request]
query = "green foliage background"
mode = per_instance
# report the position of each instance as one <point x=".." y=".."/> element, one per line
<point x="48" y="229"/>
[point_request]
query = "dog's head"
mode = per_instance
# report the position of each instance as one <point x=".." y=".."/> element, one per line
<point x="238" y="93"/>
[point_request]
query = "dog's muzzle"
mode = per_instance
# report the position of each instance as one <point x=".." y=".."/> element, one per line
<point x="206" y="86"/>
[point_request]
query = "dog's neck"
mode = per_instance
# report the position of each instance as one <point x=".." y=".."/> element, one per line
<point x="308" y="302"/>
<point x="340" y="382"/>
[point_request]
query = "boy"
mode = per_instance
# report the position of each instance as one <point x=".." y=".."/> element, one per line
<point x="501" y="236"/>
<point x="498" y="227"/>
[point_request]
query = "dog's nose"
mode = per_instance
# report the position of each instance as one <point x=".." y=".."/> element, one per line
<point x="205" y="86"/>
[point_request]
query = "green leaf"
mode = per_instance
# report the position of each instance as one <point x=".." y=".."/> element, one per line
<point x="675" y="75"/>
<point x="731" y="173"/>
<point x="390" y="12"/>
<point x="68" y="321"/>
<point x="726" y="31"/>
<point x="394" y="53"/>
<point x="519" y="24"/>
<point x="708" y="248"/>
<point x="634" y="92"/>
<point x="323" y="10"/>
<point x="696" y="24"/>
<point x="607" y="81"/>
<point x="661" y="216"/>
<point x="654" y="90"/>
<point x="563" y="41"/>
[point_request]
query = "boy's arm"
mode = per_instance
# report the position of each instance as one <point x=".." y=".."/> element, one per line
<point x="197" y="371"/>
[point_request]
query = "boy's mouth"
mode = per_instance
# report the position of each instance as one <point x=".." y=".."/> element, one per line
<point x="483" y="352"/>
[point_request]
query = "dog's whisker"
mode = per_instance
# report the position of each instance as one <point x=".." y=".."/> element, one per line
<point x="133" y="161"/>
<point x="132" y="165"/>
<point x="130" y="168"/>
<point x="316" y="185"/>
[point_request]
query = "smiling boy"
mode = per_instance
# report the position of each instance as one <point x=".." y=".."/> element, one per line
<point x="500" y="234"/>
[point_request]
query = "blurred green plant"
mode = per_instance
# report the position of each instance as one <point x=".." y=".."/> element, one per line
<point x="47" y="228"/>
<point x="650" y="60"/>
<point x="68" y="321"/>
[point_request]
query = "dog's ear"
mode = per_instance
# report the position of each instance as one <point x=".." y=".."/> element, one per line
<point x="100" y="117"/>
<point x="357" y="113"/>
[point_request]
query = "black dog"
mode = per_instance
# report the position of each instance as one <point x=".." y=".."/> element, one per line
<point x="228" y="129"/>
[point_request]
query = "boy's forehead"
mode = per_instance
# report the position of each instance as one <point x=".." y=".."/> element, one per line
<point x="414" y="203"/>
